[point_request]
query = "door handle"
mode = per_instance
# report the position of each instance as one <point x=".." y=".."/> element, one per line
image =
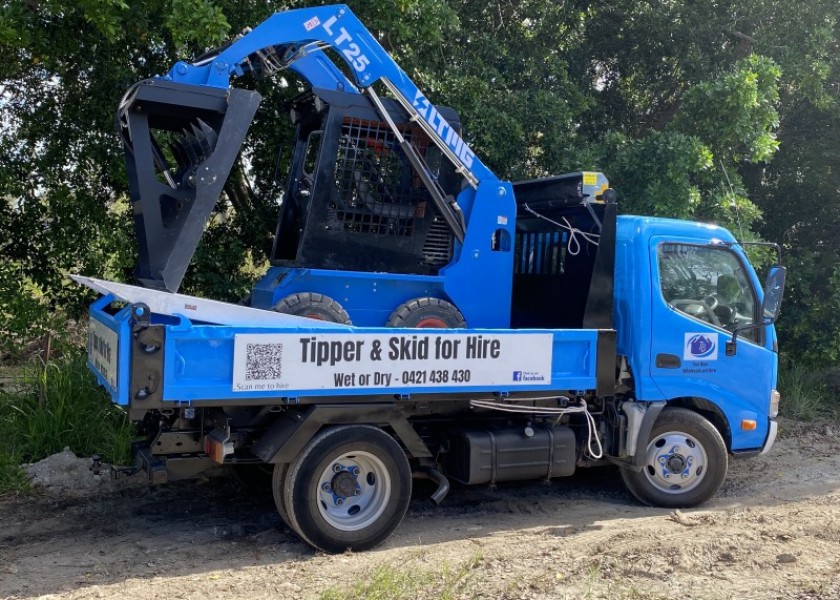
<point x="668" y="361"/>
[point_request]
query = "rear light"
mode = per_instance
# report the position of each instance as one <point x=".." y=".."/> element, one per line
<point x="775" y="396"/>
<point x="217" y="445"/>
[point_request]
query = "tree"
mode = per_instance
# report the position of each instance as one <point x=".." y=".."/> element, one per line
<point x="61" y="169"/>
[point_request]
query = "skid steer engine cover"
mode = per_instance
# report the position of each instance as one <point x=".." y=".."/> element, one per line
<point x="180" y="142"/>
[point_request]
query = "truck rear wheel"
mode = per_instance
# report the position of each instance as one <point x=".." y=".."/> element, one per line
<point x="685" y="462"/>
<point x="278" y="488"/>
<point x="348" y="489"/>
<point x="314" y="306"/>
<point x="427" y="313"/>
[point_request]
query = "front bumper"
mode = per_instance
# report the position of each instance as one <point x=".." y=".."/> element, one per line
<point x="771" y="437"/>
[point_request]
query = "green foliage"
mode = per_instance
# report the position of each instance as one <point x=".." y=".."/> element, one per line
<point x="735" y="114"/>
<point x="802" y="399"/>
<point x="62" y="175"/>
<point x="195" y="20"/>
<point x="388" y="582"/>
<point x="384" y="583"/>
<point x="689" y="169"/>
<point x="62" y="406"/>
<point x="24" y="312"/>
<point x="658" y="174"/>
<point x="223" y="275"/>
<point x="810" y="322"/>
<point x="12" y="478"/>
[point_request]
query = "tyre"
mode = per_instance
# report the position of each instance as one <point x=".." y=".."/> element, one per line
<point x="313" y="306"/>
<point x="348" y="489"/>
<point x="427" y="313"/>
<point x="278" y="487"/>
<point x="685" y="462"/>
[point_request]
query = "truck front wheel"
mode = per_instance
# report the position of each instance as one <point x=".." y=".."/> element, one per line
<point x="348" y="489"/>
<point x="685" y="462"/>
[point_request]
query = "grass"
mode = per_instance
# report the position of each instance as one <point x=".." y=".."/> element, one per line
<point x="12" y="478"/>
<point x="55" y="407"/>
<point x="467" y="580"/>
<point x="389" y="582"/>
<point x="802" y="399"/>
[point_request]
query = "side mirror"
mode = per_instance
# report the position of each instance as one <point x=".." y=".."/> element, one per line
<point x="771" y="305"/>
<point x="774" y="287"/>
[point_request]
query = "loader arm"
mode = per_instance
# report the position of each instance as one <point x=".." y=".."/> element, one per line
<point x="294" y="39"/>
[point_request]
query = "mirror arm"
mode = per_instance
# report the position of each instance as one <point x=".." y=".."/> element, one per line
<point x="731" y="345"/>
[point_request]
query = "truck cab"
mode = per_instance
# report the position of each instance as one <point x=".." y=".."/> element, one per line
<point x="681" y="290"/>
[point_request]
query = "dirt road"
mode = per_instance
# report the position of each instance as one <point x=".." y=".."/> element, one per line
<point x="773" y="532"/>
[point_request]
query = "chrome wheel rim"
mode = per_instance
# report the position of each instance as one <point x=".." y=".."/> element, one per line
<point x="675" y="462"/>
<point x="353" y="491"/>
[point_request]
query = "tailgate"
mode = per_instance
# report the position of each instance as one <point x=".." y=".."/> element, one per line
<point x="108" y="348"/>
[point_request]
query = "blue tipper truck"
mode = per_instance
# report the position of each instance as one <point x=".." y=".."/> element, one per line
<point x="421" y="317"/>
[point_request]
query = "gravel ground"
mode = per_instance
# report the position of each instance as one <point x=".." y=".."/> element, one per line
<point x="772" y="532"/>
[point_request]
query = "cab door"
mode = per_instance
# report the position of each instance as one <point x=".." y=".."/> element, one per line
<point x="701" y="293"/>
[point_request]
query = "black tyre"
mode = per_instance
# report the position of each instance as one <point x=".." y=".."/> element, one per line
<point x="349" y="488"/>
<point x="278" y="488"/>
<point x="427" y="313"/>
<point x="685" y="462"/>
<point x="314" y="306"/>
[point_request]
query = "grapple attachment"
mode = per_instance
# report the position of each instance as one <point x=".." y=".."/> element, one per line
<point x="181" y="142"/>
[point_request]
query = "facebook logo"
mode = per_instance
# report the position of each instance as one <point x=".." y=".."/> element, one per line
<point x="517" y="375"/>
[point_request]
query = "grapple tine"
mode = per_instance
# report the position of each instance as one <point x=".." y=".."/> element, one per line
<point x="209" y="134"/>
<point x="202" y="148"/>
<point x="179" y="154"/>
<point x="190" y="144"/>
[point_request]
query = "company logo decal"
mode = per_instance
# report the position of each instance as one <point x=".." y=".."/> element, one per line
<point x="700" y="346"/>
<point x="427" y="110"/>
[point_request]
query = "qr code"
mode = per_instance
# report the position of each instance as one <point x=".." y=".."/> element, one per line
<point x="263" y="361"/>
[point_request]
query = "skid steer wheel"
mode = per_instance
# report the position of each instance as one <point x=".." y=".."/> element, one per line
<point x="685" y="462"/>
<point x="348" y="489"/>
<point x="427" y="313"/>
<point x="314" y="306"/>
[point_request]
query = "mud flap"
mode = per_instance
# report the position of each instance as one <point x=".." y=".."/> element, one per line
<point x="181" y="142"/>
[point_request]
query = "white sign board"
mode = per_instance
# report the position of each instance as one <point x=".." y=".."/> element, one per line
<point x="281" y="361"/>
<point x="103" y="351"/>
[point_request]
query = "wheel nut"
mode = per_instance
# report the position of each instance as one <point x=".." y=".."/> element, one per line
<point x="358" y="492"/>
<point x="356" y="471"/>
<point x="337" y="468"/>
<point x="339" y="501"/>
<point x="326" y="487"/>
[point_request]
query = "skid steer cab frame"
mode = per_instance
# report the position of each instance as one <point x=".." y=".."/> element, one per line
<point x="387" y="218"/>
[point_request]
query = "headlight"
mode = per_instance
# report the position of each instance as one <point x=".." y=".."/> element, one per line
<point x="775" y="396"/>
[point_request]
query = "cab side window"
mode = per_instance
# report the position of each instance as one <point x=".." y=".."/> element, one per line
<point x="708" y="284"/>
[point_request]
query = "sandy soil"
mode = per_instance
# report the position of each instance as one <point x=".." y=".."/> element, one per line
<point x="773" y="532"/>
